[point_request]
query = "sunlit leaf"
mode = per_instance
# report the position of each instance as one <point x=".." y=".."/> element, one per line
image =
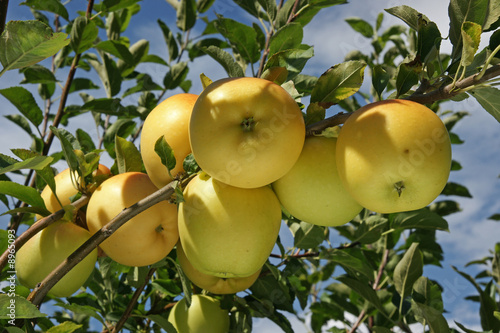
<point x="408" y="270"/>
<point x="24" y="309"/>
<point x="53" y="6"/>
<point x="232" y="68"/>
<point x="128" y="157"/>
<point x="27" y="42"/>
<point x="83" y="34"/>
<point x="24" y="193"/>
<point x="471" y="37"/>
<point x="338" y="83"/>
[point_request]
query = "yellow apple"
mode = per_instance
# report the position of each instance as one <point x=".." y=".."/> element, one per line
<point x="42" y="253"/>
<point x="312" y="190"/>
<point x="202" y="316"/>
<point x="65" y="188"/>
<point x="170" y="118"/>
<point x="394" y="156"/>
<point x="146" y="238"/>
<point x="211" y="283"/>
<point x="228" y="231"/>
<point x="246" y="132"/>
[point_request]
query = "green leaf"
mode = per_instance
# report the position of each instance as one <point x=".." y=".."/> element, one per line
<point x="408" y="15"/>
<point x="432" y="317"/>
<point x="189" y="164"/>
<point x="128" y="157"/>
<point x="422" y="218"/>
<point x="364" y="290"/>
<point x="68" y="144"/>
<point x="53" y="6"/>
<point x="203" y="5"/>
<point x="34" y="163"/>
<point x="452" y="188"/>
<point x="494" y="217"/>
<point x="429" y="40"/>
<point x="166" y="153"/>
<point x="173" y="48"/>
<point x="27" y="42"/>
<point x="24" y="309"/>
<point x="242" y="38"/>
<point x="186" y="14"/>
<point x="408" y="270"/>
<point x="24" y="101"/>
<point x="24" y="193"/>
<point x="471" y="37"/>
<point x="144" y="83"/>
<point x="288" y="37"/>
<point x="489" y="98"/>
<point x="37" y="74"/>
<point x="314" y="113"/>
<point x="109" y="106"/>
<point x="380" y="79"/>
<point x="461" y="11"/>
<point x="487" y="304"/>
<point x="466" y="330"/>
<point x="361" y="26"/>
<point x="293" y="60"/>
<point x="86" y="310"/>
<point x="232" y="68"/>
<point x="80" y="83"/>
<point x="176" y="75"/>
<point x="162" y="322"/>
<point x="344" y="258"/>
<point x="338" y="83"/>
<point x="307" y="235"/>
<point x="117" y="49"/>
<point x="21" y="122"/>
<point x="65" y="327"/>
<point x="407" y="77"/>
<point x="428" y="293"/>
<point x="83" y="34"/>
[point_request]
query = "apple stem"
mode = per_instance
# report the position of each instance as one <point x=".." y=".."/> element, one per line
<point x="248" y="124"/>
<point x="399" y="186"/>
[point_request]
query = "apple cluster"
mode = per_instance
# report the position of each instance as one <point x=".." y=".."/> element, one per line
<point x="248" y="137"/>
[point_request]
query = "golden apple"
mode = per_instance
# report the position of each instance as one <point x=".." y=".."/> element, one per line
<point x="394" y="156"/>
<point x="312" y="190"/>
<point x="228" y="231"/>
<point x="211" y="283"/>
<point x="246" y="132"/>
<point x="42" y="253"/>
<point x="170" y="118"/>
<point x="65" y="188"/>
<point x="146" y="238"/>
<point x="202" y="316"/>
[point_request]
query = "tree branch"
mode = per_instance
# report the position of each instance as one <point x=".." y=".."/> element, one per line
<point x="133" y="301"/>
<point x="4" y="5"/>
<point x="318" y="127"/>
<point x="37" y="227"/>
<point x="381" y="268"/>
<point x="451" y="89"/>
<point x="37" y="295"/>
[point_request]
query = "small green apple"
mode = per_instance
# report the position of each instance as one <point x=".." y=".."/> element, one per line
<point x="42" y="253"/>
<point x="204" y="315"/>
<point x="312" y="190"/>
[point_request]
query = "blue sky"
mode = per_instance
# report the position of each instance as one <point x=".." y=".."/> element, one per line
<point x="471" y="234"/>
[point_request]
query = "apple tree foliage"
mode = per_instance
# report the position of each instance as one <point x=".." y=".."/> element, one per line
<point x="375" y="276"/>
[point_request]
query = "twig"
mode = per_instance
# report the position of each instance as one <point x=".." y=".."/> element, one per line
<point x="381" y="268"/>
<point x="458" y="87"/>
<point x="37" y="295"/>
<point x="319" y="126"/>
<point x="38" y="226"/>
<point x="4" y="4"/>
<point x="133" y="301"/>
